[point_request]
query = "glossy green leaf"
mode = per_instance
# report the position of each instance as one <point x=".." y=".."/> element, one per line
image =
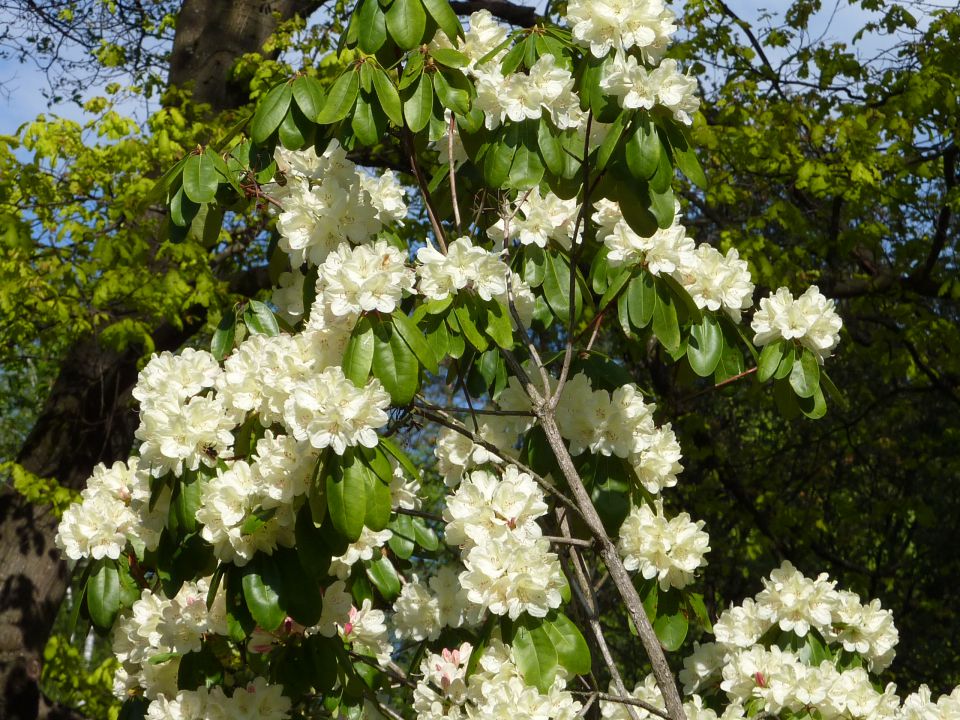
<point x="425" y="536"/>
<point x="418" y="107"/>
<point x="260" y="319"/>
<point x="641" y="299"/>
<point x="468" y="328"/>
<point x="415" y="340"/>
<point x="401" y="457"/>
<point x="770" y="358"/>
<point x="261" y="592"/>
<point x="536" y="657"/>
<point x="406" y="23"/>
<point x="402" y="542"/>
<point x="611" y="141"/>
<point x="642" y="151"/>
<point x="364" y="121"/>
<point x="498" y="326"/>
<point x="395" y="365"/>
<point x="358" y="356"/>
<point x="450" y="57"/>
<point x="671" y="630"/>
<point x="346" y="484"/>
<point x="665" y="324"/>
<point x="309" y="96"/>
<point x="705" y="346"/>
<point x="371" y="26"/>
<point x="572" y="650"/>
<point x="103" y="593"/>
<point x="221" y="344"/>
<point x="556" y="287"/>
<point x="295" y="130"/>
<point x="444" y="17"/>
<point x="200" y="179"/>
<point x="805" y="375"/>
<point x="270" y="112"/>
<point x="221" y="166"/>
<point x="341" y="98"/>
<point x="384" y="577"/>
<point x="451" y="97"/>
<point x="388" y="96"/>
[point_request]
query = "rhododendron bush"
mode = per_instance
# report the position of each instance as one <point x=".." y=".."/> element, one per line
<point x="393" y="488"/>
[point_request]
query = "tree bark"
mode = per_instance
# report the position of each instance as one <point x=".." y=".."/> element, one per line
<point x="89" y="417"/>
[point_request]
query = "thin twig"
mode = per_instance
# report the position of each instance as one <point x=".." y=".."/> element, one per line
<point x="628" y="701"/>
<point x="453" y="174"/>
<point x="424" y="190"/>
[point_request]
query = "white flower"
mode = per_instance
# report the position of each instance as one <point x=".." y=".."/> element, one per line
<point x="717" y="281"/>
<point x="810" y="319"/>
<point x="370" y="541"/>
<point x="335" y="611"/>
<point x="416" y="613"/>
<point x="179" y="436"/>
<point x="364" y="279"/>
<point x="483" y="35"/>
<point x="620" y="25"/>
<point x="540" y="219"/>
<point x="796" y="602"/>
<point x="675" y="91"/>
<point x="288" y="295"/>
<point x="670" y="550"/>
<point x="168" y="377"/>
<point x="740" y="626"/>
<point x="658" y="464"/>
<point x="630" y="82"/>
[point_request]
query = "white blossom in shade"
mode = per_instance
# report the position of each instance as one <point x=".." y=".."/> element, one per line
<point x="810" y="319"/>
<point x="795" y="602"/>
<point x="366" y="632"/>
<point x="867" y="630"/>
<point x="99" y="525"/>
<point x="442" y="275"/>
<point x="658" y="464"/>
<point x="330" y="411"/>
<point x="226" y="503"/>
<point x="335" y="610"/>
<point x="485" y="508"/>
<point x="482" y="36"/>
<point x="404" y="490"/>
<point x="702" y="667"/>
<point x="368" y="544"/>
<point x="741" y="625"/>
<point x="288" y="296"/>
<point x="538" y="219"/>
<point x="453" y="606"/>
<point x="456" y="453"/>
<point x="416" y="613"/>
<point x="168" y="377"/>
<point x="443" y="684"/>
<point x="629" y="81"/>
<point x="511" y="575"/>
<point x="716" y="281"/>
<point x="603" y="25"/>
<point x="185" y="705"/>
<point x="258" y="700"/>
<point x="388" y="196"/>
<point x="647" y="691"/>
<point x="669" y="549"/>
<point x="282" y="468"/>
<point x="177" y="436"/>
<point x="364" y="278"/>
<point x="675" y="91"/>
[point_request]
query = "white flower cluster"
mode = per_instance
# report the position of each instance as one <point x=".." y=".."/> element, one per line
<point x="494" y="691"/>
<point x="157" y="631"/>
<point x="621" y="424"/>
<point x="539" y="219"/>
<point x="526" y="96"/>
<point x="423" y="609"/>
<point x="713" y="280"/>
<point x="620" y="25"/>
<point x="257" y="700"/>
<point x="365" y="278"/>
<point x="366" y="632"/>
<point x="456" y="453"/>
<point x="509" y="567"/>
<point x="326" y="199"/>
<point x="638" y="88"/>
<point x="788" y="680"/>
<point x="647" y="691"/>
<point x="811" y="319"/>
<point x="668" y="549"/>
<point x="114" y="509"/>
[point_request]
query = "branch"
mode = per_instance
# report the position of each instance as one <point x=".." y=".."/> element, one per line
<point x="506" y="11"/>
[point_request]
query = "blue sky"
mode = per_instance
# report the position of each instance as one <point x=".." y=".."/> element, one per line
<point x="21" y="99"/>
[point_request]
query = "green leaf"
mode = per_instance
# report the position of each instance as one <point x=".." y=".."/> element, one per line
<point x="671" y="630"/>
<point x="221" y="344"/>
<point x="346" y="483"/>
<point x="340" y="101"/>
<point x="536" y="657"/>
<point x="270" y="112"/>
<point x="499" y="157"/>
<point x="446" y="19"/>
<point x="394" y="364"/>
<point x="401" y="457"/>
<point x="641" y="299"/>
<point x="556" y="287"/>
<point x="498" y="327"/>
<point x="526" y="168"/>
<point x="665" y="324"/>
<point x="222" y="168"/>
<point x="551" y="149"/>
<point x="364" y="122"/>
<point x="358" y="357"/>
<point x="384" y="577"/>
<point x="684" y="155"/>
<point x="388" y="96"/>
<point x="572" y="650"/>
<point x="309" y="96"/>
<point x="379" y="499"/>
<point x="260" y="319"/>
<point x="814" y="407"/>
<point x="467" y="327"/>
<point x="371" y="27"/>
<point x="425" y="536"/>
<point x="261" y="591"/>
<point x="402" y="541"/>
<point x="786" y="363"/>
<point x="418" y="107"/>
<point x="642" y="151"/>
<point x="611" y="141"/>
<point x="103" y="593"/>
<point x="415" y="340"/>
<point x="256" y="520"/>
<point x="450" y="57"/>
<point x="406" y="23"/>
<point x="663" y="207"/>
<point x="454" y="98"/>
<point x="635" y="208"/>
<point x="200" y="179"/>
<point x="705" y="346"/>
<point x="805" y="375"/>
<point x="770" y="358"/>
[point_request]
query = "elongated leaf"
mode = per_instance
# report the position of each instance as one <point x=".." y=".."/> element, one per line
<point x="415" y="340"/>
<point x="388" y="96"/>
<point x="426" y="537"/>
<point x="536" y="657"/>
<point x="499" y="157"/>
<point x="210" y="154"/>
<point x="814" y="407"/>
<point x="406" y="23"/>
<point x="401" y="457"/>
<point x="309" y="96"/>
<point x="450" y="57"/>
<point x="444" y="17"/>
<point x="260" y="319"/>
<point x="358" y="357"/>
<point x="786" y="363"/>
<point x="641" y="299"/>
<point x="295" y="129"/>
<point x="418" y="107"/>
<point x="498" y="327"/>
<point x="221" y="344"/>
<point x="200" y="179"/>
<point x="665" y="324"/>
<point x="611" y="141"/>
<point x="371" y="27"/>
<point x="261" y="592"/>
<point x="340" y="101"/>
<point x="642" y="150"/>
<point x="379" y="499"/>
<point x="684" y="156"/>
<point x="364" y="122"/>
<point x="770" y="358"/>
<point x="103" y="593"/>
<point x="270" y="112"/>
<point x="551" y="150"/>
<point x="620" y="278"/>
<point x="572" y="650"/>
<point x="402" y="541"/>
<point x="384" y="577"/>
<point x="346" y="483"/>
<point x="671" y="630"/>
<point x="805" y="375"/>
<point x="395" y="365"/>
<point x="556" y="286"/>
<point x="454" y="98"/>
<point x="705" y="346"/>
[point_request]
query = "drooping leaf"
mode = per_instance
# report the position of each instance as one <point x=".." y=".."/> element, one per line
<point x="388" y="96"/>
<point x="415" y="340"/>
<point x="260" y="319"/>
<point x="805" y="375"/>
<point x="384" y="577"/>
<point x="406" y="23"/>
<point x="309" y="96"/>
<point x="665" y="324"/>
<point x="221" y="344"/>
<point x="371" y="26"/>
<point x="394" y="364"/>
<point x="418" y="106"/>
<point x="341" y="98"/>
<point x="346" y="483"/>
<point x="103" y="593"/>
<point x="261" y="592"/>
<point x="270" y="112"/>
<point x="705" y="346"/>
<point x="200" y="179"/>
<point x="536" y="656"/>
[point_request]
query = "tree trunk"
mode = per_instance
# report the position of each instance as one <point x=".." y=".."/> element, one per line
<point x="89" y="417"/>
